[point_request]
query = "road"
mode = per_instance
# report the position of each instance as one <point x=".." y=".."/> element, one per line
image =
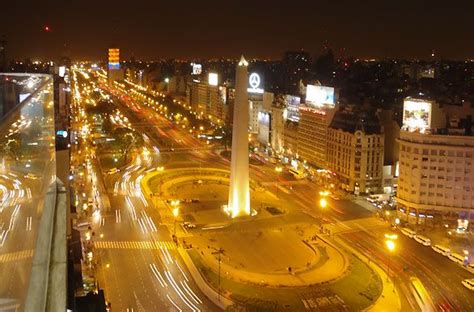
<point x="440" y="276"/>
<point x="137" y="262"/>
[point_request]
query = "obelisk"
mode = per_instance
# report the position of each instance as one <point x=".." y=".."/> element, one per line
<point x="239" y="195"/>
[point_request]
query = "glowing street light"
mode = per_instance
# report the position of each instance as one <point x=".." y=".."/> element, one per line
<point x="390" y="244"/>
<point x="323" y="203"/>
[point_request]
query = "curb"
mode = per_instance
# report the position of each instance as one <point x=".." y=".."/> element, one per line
<point x="210" y="292"/>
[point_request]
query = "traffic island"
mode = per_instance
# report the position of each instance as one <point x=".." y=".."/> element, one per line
<point x="276" y="260"/>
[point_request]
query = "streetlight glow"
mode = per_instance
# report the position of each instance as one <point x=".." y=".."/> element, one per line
<point x="390" y="245"/>
<point x="176" y="212"/>
<point x="323" y="203"/>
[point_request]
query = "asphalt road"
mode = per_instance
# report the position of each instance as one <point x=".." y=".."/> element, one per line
<point x="138" y="264"/>
<point x="439" y="275"/>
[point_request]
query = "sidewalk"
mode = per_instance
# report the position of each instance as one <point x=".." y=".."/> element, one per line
<point x="389" y="299"/>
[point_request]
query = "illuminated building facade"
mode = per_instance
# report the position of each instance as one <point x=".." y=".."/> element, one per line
<point x="315" y="117"/>
<point x="208" y="98"/>
<point x="436" y="162"/>
<point x="239" y="194"/>
<point x="355" y="151"/>
<point x="312" y="134"/>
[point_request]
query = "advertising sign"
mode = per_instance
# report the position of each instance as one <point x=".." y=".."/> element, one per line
<point x="416" y="115"/>
<point x="197" y="69"/>
<point x="319" y="95"/>
<point x="293" y="107"/>
<point x="255" y="83"/>
<point x="114" y="58"/>
<point x="213" y="79"/>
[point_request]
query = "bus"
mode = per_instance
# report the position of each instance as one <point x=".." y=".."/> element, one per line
<point x="297" y="174"/>
<point x="421" y="295"/>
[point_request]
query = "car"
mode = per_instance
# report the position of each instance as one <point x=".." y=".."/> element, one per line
<point x="459" y="259"/>
<point x="408" y="232"/>
<point x="188" y="225"/>
<point x="425" y="241"/>
<point x="31" y="176"/>
<point x="468" y="283"/>
<point x="441" y="250"/>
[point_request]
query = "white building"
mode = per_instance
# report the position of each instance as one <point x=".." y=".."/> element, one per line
<point x="436" y="162"/>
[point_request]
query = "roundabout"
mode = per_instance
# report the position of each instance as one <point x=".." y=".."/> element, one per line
<point x="269" y="260"/>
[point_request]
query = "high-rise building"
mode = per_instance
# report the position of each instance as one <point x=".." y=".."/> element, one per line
<point x="355" y="146"/>
<point x="208" y="99"/>
<point x="436" y="179"/>
<point x="315" y="117"/>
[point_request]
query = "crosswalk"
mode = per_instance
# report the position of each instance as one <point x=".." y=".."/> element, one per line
<point x="15" y="256"/>
<point x="134" y="245"/>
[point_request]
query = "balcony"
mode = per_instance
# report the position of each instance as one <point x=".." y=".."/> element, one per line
<point x="32" y="200"/>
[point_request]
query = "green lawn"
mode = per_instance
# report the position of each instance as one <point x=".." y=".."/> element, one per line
<point x="364" y="283"/>
<point x="359" y="289"/>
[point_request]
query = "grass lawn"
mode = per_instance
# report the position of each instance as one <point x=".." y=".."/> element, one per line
<point x="358" y="289"/>
<point x="252" y="297"/>
<point x="365" y="284"/>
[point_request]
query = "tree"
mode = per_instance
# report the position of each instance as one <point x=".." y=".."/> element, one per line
<point x="127" y="139"/>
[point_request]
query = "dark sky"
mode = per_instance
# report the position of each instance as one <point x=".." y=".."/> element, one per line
<point x="263" y="29"/>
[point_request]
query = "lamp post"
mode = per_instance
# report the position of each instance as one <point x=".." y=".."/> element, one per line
<point x="174" y="204"/>
<point x="278" y="170"/>
<point x="219" y="252"/>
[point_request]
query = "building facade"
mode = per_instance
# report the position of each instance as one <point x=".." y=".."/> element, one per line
<point x="312" y="134"/>
<point x="355" y="151"/>
<point x="436" y="179"/>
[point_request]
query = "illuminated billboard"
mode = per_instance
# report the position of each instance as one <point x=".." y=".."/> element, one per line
<point x="255" y="83"/>
<point x="114" y="58"/>
<point x="213" y="79"/>
<point x="197" y="69"/>
<point x="264" y="127"/>
<point x="319" y="95"/>
<point x="416" y="115"/>
<point x="293" y="107"/>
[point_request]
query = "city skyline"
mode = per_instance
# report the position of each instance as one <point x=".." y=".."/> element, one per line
<point x="210" y="30"/>
<point x="242" y="156"/>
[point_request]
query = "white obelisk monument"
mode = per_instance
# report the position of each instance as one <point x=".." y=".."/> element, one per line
<point x="239" y="194"/>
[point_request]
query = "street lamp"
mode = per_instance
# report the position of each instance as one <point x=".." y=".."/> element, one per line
<point x="175" y="214"/>
<point x="218" y="252"/>
<point x="278" y="170"/>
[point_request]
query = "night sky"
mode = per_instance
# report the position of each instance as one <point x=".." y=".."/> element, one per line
<point x="262" y="29"/>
